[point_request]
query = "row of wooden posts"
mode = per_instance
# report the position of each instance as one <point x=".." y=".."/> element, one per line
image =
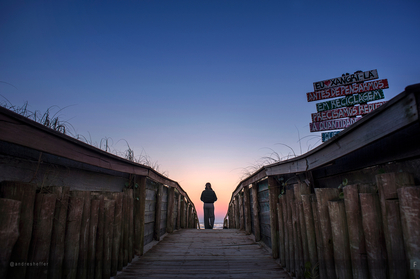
<point x="58" y="233"/>
<point x="359" y="231"/>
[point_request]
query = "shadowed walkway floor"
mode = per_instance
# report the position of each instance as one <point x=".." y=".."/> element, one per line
<point x="191" y="253"/>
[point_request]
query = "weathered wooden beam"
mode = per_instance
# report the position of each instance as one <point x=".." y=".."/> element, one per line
<point x="281" y="234"/>
<point x="93" y="227"/>
<point x="100" y="240"/>
<point x="273" y="190"/>
<point x="125" y="228"/>
<point x="237" y="214"/>
<point x="409" y="198"/>
<point x="71" y="249"/>
<point x="318" y="235"/>
<point x="55" y="263"/>
<point x="397" y="259"/>
<point x="290" y="233"/>
<point x="257" y="230"/>
<point x="247" y="210"/>
<point x="9" y="231"/>
<point x="374" y="235"/>
<point x="117" y="229"/>
<point x="25" y="193"/>
<point x="286" y="243"/>
<point x="178" y="216"/>
<point x="130" y="225"/>
<point x="340" y="239"/>
<point x="84" y="233"/>
<point x="109" y="208"/>
<point x="323" y="195"/>
<point x="388" y="183"/>
<point x="39" y="249"/>
<point x="158" y="213"/>
<point x="310" y="229"/>
<point x="170" y="211"/>
<point x="23" y="131"/>
<point x="302" y="188"/>
<point x="139" y="214"/>
<point x="182" y="212"/>
<point x="241" y="211"/>
<point x="355" y="229"/>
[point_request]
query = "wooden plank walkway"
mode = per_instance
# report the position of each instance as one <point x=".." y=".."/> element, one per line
<point x="191" y="253"/>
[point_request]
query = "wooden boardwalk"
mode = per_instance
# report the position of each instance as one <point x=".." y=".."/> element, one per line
<point x="192" y="253"/>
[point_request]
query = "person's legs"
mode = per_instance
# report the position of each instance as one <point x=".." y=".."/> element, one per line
<point x="206" y="216"/>
<point x="211" y="215"/>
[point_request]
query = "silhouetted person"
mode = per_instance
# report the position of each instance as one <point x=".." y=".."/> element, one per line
<point x="208" y="196"/>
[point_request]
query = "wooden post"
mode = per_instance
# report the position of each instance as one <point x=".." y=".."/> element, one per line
<point x="93" y="227"/>
<point x="273" y="190"/>
<point x="25" y="193"/>
<point x="283" y="199"/>
<point x="303" y="190"/>
<point x="55" y="263"/>
<point x="170" y="211"/>
<point x="100" y="239"/>
<point x="290" y="234"/>
<point x="374" y="235"/>
<point x="237" y="214"/>
<point x="192" y="216"/>
<point x="318" y="235"/>
<point x="116" y="232"/>
<point x="158" y="213"/>
<point x="84" y="233"/>
<point x="9" y="231"/>
<point x="388" y="183"/>
<point x="296" y="240"/>
<point x="355" y="230"/>
<point x="117" y="229"/>
<point x="187" y="215"/>
<point x="398" y="264"/>
<point x="71" y="249"/>
<point x="323" y="195"/>
<point x="39" y="249"/>
<point x="182" y="212"/>
<point x="300" y="189"/>
<point x="241" y="211"/>
<point x="109" y="210"/>
<point x="310" y="229"/>
<point x="178" y="216"/>
<point x="230" y="214"/>
<point x="125" y="228"/>
<point x="281" y="233"/>
<point x="247" y="211"/>
<point x="139" y="215"/>
<point x="410" y="214"/>
<point x="340" y="238"/>
<point x="130" y="225"/>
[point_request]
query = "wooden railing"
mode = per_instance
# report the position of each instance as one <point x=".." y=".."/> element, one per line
<point x="347" y="209"/>
<point x="68" y="209"/>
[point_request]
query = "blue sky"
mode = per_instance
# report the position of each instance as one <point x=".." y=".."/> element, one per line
<point x="205" y="88"/>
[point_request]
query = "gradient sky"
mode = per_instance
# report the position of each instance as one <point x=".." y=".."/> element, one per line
<point x="206" y="89"/>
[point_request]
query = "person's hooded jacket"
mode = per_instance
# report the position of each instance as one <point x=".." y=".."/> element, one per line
<point x="208" y="196"/>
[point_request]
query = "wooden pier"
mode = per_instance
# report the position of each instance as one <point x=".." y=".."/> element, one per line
<point x="346" y="209"/>
<point x="191" y="253"/>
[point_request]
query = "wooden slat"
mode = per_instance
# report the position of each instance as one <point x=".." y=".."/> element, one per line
<point x="205" y="254"/>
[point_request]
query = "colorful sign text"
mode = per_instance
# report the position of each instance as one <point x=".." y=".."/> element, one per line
<point x="346" y="79"/>
<point x="351" y="100"/>
<point x="347" y="90"/>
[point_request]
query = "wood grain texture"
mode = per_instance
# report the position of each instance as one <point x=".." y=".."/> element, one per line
<point x="205" y="254"/>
